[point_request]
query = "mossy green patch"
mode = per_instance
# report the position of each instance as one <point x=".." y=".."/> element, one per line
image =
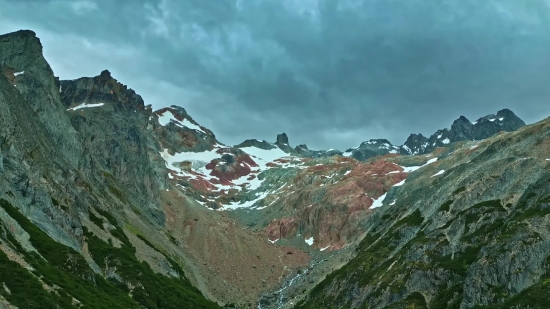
<point x="414" y="300"/>
<point x="460" y="262"/>
<point x="95" y="219"/>
<point x="459" y="190"/>
<point x="445" y="206"/>
<point x="448" y="298"/>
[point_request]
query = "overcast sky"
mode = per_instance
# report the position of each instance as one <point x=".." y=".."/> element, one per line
<point x="328" y="73"/>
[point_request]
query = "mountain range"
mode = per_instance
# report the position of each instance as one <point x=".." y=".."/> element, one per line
<point x="107" y="203"/>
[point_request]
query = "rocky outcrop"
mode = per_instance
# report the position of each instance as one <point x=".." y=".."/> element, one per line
<point x="282" y="139"/>
<point x="282" y="143"/>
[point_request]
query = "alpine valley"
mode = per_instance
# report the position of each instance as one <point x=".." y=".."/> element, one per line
<point x="107" y="203"/>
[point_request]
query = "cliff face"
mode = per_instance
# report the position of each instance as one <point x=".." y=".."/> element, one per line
<point x="468" y="230"/>
<point x="68" y="209"/>
<point x="112" y="124"/>
<point x="23" y="65"/>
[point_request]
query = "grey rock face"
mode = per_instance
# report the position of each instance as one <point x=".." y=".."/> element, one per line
<point x="32" y="167"/>
<point x="116" y="139"/>
<point x="282" y="139"/>
<point x="100" y="89"/>
<point x="22" y="63"/>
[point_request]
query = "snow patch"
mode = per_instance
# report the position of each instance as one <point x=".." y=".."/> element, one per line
<point x="446" y="141"/>
<point x="408" y="169"/>
<point x="439" y="136"/>
<point x="500" y="119"/>
<point x="309" y="241"/>
<point x="399" y="184"/>
<point x="18" y="73"/>
<point x="85" y="105"/>
<point x="430" y="161"/>
<point x="325" y="248"/>
<point x="273" y="241"/>
<point x="262" y="157"/>
<point x="438" y="173"/>
<point x="492" y="119"/>
<point x="247" y="204"/>
<point x="378" y="202"/>
<point x="393" y="203"/>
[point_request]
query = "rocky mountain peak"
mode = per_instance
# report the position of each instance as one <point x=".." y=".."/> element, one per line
<point x="21" y="52"/>
<point x="414" y="143"/>
<point x="20" y="47"/>
<point x="510" y="121"/>
<point x="100" y="89"/>
<point x="376" y="141"/>
<point x="462" y="119"/>
<point x="24" y="66"/>
<point x="282" y="139"/>
<point x="463" y="129"/>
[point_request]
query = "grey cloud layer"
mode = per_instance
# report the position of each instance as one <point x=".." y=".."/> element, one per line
<point x="329" y="73"/>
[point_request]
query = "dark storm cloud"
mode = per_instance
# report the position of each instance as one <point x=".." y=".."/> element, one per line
<point x="329" y="73"/>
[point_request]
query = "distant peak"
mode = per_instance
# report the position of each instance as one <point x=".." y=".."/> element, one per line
<point x="105" y="73"/>
<point x="505" y="112"/>
<point x="20" y="46"/>
<point x="415" y="135"/>
<point x="20" y="33"/>
<point x="282" y="139"/>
